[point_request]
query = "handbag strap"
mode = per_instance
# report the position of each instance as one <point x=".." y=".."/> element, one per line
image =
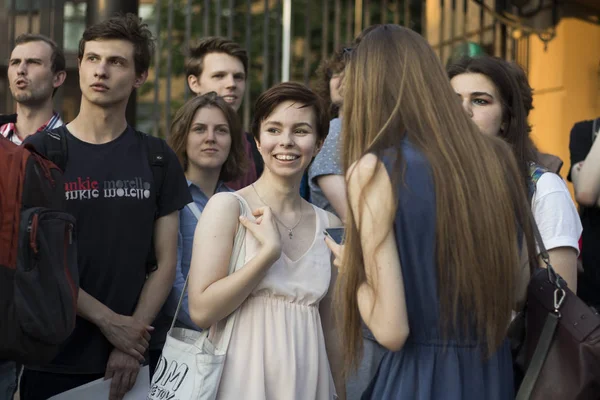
<point x="194" y="209"/>
<point x="197" y="213"/>
<point x="553" y="277"/>
<point x="540" y="241"/>
<point x="234" y="264"/>
<point x="547" y="335"/>
<point x="539" y="357"/>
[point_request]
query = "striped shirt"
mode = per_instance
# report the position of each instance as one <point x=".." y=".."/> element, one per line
<point x="9" y="131"/>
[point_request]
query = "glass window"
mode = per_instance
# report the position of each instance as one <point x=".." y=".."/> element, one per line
<point x="146" y="13"/>
<point x="23" y="5"/>
<point x="74" y="17"/>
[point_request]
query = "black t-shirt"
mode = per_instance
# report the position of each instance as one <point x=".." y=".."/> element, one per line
<point x="589" y="284"/>
<point x="110" y="190"/>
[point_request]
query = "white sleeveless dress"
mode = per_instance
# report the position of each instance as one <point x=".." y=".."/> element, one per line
<point x="277" y="349"/>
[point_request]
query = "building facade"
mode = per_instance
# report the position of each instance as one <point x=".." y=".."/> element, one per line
<point x="558" y="45"/>
<point x="317" y="29"/>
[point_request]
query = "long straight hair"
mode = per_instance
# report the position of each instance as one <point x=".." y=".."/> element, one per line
<point x="396" y="88"/>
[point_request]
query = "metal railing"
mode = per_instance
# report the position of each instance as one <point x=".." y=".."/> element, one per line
<point x="316" y="29"/>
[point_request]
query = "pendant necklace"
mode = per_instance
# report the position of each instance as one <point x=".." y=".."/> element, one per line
<point x="290" y="230"/>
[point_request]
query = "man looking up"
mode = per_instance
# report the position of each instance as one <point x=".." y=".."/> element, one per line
<point x="120" y="207"/>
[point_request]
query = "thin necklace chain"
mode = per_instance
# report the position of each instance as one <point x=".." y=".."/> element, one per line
<point x="290" y="230"/>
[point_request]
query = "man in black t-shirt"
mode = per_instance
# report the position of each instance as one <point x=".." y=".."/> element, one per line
<point x="111" y="191"/>
<point x="585" y="175"/>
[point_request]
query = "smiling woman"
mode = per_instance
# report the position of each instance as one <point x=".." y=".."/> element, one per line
<point x="282" y="293"/>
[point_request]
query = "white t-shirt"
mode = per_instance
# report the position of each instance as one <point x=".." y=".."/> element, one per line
<point x="555" y="213"/>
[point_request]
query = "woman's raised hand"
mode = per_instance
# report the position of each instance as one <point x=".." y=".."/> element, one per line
<point x="264" y="229"/>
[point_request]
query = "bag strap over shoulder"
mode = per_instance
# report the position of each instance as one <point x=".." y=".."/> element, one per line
<point x="547" y="335"/>
<point x="553" y="277"/>
<point x="539" y="357"/>
<point x="538" y="238"/>
<point x="237" y="260"/>
<point x="57" y="151"/>
<point x="155" y="148"/>
<point x="194" y="210"/>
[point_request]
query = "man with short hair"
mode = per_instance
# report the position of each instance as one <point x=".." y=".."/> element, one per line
<point x="121" y="208"/>
<point x="36" y="69"/>
<point x="217" y="64"/>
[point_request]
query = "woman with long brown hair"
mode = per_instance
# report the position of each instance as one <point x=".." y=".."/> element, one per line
<point x="431" y="261"/>
<point x="496" y="95"/>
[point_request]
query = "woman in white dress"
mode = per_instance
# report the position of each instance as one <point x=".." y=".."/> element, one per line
<point x="283" y="343"/>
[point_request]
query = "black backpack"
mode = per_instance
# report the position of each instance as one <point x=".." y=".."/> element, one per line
<point x="57" y="151"/>
<point x="39" y="280"/>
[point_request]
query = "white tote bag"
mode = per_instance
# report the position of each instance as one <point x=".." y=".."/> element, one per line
<point x="192" y="362"/>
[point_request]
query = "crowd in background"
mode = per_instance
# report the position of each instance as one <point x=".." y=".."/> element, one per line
<point x="430" y="169"/>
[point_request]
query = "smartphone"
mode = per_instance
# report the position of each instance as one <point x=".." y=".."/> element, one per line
<point x="337" y="234"/>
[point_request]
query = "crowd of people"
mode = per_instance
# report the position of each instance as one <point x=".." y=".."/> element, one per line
<point x="431" y="170"/>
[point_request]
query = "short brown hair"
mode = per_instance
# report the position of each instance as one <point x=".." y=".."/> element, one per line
<point x="290" y="91"/>
<point x="127" y="27"/>
<point x="235" y="165"/>
<point x="58" y="56"/>
<point x="329" y="67"/>
<point x="213" y="44"/>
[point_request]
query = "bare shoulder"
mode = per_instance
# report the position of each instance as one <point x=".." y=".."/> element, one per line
<point x="366" y="171"/>
<point x="222" y="208"/>
<point x="370" y="189"/>
<point x="367" y="163"/>
<point x="222" y="201"/>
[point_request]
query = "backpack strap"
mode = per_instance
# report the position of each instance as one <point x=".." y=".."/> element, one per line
<point x="55" y="144"/>
<point x="535" y="173"/>
<point x="155" y="149"/>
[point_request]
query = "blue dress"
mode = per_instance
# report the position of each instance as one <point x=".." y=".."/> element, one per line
<point x="429" y="367"/>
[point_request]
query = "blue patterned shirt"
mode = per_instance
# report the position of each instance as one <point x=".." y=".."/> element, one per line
<point x="327" y="162"/>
